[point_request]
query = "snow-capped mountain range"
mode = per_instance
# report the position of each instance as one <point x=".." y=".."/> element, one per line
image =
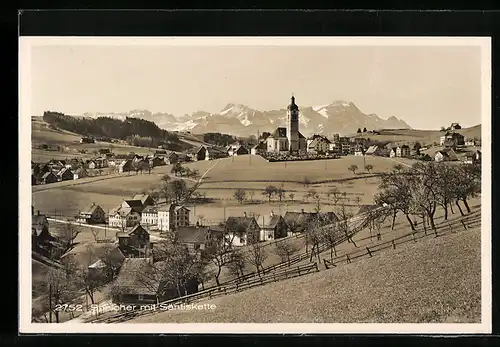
<point x="340" y="117"/>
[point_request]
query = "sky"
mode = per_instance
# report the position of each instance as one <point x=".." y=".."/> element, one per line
<point x="426" y="86"/>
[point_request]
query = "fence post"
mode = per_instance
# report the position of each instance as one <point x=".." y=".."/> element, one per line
<point x="316" y="265"/>
<point x="393" y="245"/>
<point x="348" y="259"/>
<point x="324" y="262"/>
<point x="369" y="253"/>
<point x="298" y="268"/>
<point x="463" y="224"/>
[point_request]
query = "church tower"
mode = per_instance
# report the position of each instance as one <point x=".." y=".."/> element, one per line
<point x="292" y="126"/>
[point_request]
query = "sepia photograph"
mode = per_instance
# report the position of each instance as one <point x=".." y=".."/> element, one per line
<point x="291" y="184"/>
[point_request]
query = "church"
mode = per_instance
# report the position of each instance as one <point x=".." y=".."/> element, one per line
<point x="288" y="139"/>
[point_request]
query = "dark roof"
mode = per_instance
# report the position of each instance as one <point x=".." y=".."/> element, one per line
<point x="297" y="218"/>
<point x="405" y="146"/>
<point x="38" y="220"/>
<point x="135" y="205"/>
<point x="301" y="136"/>
<point x="192" y="234"/>
<point x="91" y="209"/>
<point x="142" y="197"/>
<point x="150" y="209"/>
<point x="279" y="132"/>
<point x="127" y="278"/>
<point x="45" y="175"/>
<point x="260" y="145"/>
<point x="243" y="221"/>
<point x="134" y="228"/>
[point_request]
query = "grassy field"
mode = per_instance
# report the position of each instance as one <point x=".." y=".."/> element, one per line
<point x="431" y="281"/>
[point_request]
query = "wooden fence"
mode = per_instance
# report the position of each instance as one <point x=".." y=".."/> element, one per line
<point x="212" y="292"/>
<point x="446" y="227"/>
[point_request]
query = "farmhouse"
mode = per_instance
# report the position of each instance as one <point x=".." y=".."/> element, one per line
<point x="157" y="161"/>
<point x="125" y="215"/>
<point x="145" y="199"/>
<point x="242" y="230"/>
<point x="92" y="215"/>
<point x="149" y="216"/>
<point x="403" y="151"/>
<point x="171" y="158"/>
<point x="64" y="175"/>
<point x="445" y="155"/>
<point x="172" y="216"/>
<point x="288" y="139"/>
<point x="452" y="139"/>
<point x="129" y="288"/>
<point x="48" y="177"/>
<point x="101" y="163"/>
<point x="209" y="153"/>
<point x="134" y="242"/>
<point x="472" y="157"/>
<point x="237" y="149"/>
<point x="125" y="166"/>
<point x="318" y="144"/>
<point x="80" y="173"/>
<point x="273" y="227"/>
<point x="259" y="148"/>
<point x="196" y="238"/>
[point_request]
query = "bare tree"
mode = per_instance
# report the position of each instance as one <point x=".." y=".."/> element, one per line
<point x="285" y="249"/>
<point x="95" y="232"/>
<point x="343" y="225"/>
<point x="68" y="235"/>
<point x="256" y="255"/>
<point x="292" y="196"/>
<point x="369" y="168"/>
<point x="237" y="263"/>
<point x="60" y="289"/>
<point x="280" y="191"/>
<point x="313" y="234"/>
<point x="251" y="193"/>
<point x="353" y="168"/>
<point x="336" y="195"/>
<point x="445" y="188"/>
<point x="240" y="195"/>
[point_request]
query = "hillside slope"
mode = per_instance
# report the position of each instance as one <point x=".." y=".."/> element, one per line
<point x="435" y="280"/>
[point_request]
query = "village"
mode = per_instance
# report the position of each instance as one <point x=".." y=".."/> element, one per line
<point x="147" y="233"/>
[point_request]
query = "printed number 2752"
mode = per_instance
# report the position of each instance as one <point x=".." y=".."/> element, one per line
<point x="69" y="307"/>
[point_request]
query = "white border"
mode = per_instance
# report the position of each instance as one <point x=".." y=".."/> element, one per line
<point x="25" y="325"/>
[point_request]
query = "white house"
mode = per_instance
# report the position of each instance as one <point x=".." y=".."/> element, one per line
<point x="91" y="164"/>
<point x="445" y="155"/>
<point x="127" y="214"/>
<point x="149" y="216"/>
<point x="403" y="151"/>
<point x="318" y="144"/>
<point x="392" y="153"/>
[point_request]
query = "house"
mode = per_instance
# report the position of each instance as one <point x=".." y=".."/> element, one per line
<point x="455" y="126"/>
<point x="445" y="155"/>
<point x="197" y="238"/>
<point x="43" y="168"/>
<point x="472" y="142"/>
<point x="91" y="164"/>
<point x="80" y="173"/>
<point x="49" y="177"/>
<point x="125" y="166"/>
<point x="40" y="235"/>
<point x="241" y="231"/>
<point x="472" y="157"/>
<point x="125" y="215"/>
<point x="273" y="227"/>
<point x="374" y="150"/>
<point x="92" y="215"/>
<point x="110" y="263"/>
<point x="209" y="153"/>
<point x="101" y="163"/>
<point x="237" y="149"/>
<point x="172" y="216"/>
<point x="392" y="152"/>
<point x="426" y="157"/>
<point x="318" y="144"/>
<point x="259" y="148"/>
<point x="403" y="151"/>
<point x="359" y="150"/>
<point x="298" y="222"/>
<point x="65" y="175"/>
<point x="149" y="216"/>
<point x="415" y="150"/>
<point x="157" y="161"/>
<point x="171" y="158"/>
<point x="134" y="242"/>
<point x="346" y="147"/>
<point x="130" y="288"/>
<point x="87" y="140"/>
<point x="452" y="139"/>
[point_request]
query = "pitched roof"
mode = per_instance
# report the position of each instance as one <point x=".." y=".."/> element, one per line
<point x="243" y="221"/>
<point x="142" y="197"/>
<point x="150" y="209"/>
<point x="191" y="234"/>
<point x="301" y="136"/>
<point x="260" y="145"/>
<point x="135" y="205"/>
<point x="127" y="278"/>
<point x="177" y="208"/>
<point x="270" y="221"/>
<point x="280" y="132"/>
<point x="45" y="175"/>
<point x="91" y="209"/>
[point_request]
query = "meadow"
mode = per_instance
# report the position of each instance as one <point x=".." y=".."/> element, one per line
<point x="436" y="280"/>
